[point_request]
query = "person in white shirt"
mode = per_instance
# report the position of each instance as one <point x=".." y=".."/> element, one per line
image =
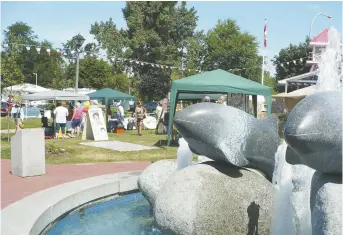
<point x="159" y="117"/>
<point x="61" y="113"/>
<point x="120" y="112"/>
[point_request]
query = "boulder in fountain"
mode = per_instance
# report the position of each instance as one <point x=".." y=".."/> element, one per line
<point x="154" y="176"/>
<point x="214" y="198"/>
<point x="313" y="130"/>
<point x="225" y="133"/>
<point x="326" y="204"/>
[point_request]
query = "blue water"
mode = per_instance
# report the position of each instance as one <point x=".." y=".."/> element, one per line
<point x="126" y="215"/>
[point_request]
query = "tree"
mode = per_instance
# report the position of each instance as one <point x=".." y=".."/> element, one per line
<point x="20" y="33"/>
<point x="229" y="48"/>
<point x="269" y="80"/>
<point x="96" y="73"/>
<point x="156" y="30"/>
<point x="21" y="54"/>
<point x="119" y="82"/>
<point x="10" y="71"/>
<point x="288" y="54"/>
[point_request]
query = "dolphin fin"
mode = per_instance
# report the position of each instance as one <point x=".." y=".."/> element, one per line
<point x="292" y="157"/>
<point x="193" y="150"/>
<point x="272" y="121"/>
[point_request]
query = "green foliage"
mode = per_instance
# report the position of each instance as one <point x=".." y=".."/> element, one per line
<point x="156" y="30"/>
<point x="289" y="54"/>
<point x="118" y="82"/>
<point x="11" y="73"/>
<point x="19" y="63"/>
<point x="269" y="80"/>
<point x="229" y="48"/>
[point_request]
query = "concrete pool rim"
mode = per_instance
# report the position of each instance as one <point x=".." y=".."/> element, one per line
<point x="33" y="214"/>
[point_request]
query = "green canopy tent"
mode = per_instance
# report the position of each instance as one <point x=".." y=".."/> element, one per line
<point x="107" y="94"/>
<point x="217" y="81"/>
<point x="198" y="96"/>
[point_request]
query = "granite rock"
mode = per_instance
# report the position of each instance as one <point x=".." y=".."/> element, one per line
<point x="154" y="176"/>
<point x="313" y="130"/>
<point x="214" y="198"/>
<point x="326" y="204"/>
<point x="225" y="133"/>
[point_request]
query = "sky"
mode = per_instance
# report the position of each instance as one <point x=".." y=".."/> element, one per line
<point x="287" y="22"/>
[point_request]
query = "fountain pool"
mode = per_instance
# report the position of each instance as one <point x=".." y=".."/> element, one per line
<point x="128" y="214"/>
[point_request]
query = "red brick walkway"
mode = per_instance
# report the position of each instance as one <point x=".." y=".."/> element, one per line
<point x="14" y="188"/>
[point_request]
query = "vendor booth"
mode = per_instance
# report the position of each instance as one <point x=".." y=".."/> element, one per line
<point x="55" y="95"/>
<point x="219" y="82"/>
<point x="107" y="94"/>
<point x="294" y="97"/>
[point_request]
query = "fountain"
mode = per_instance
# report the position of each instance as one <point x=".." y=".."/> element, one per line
<point x="254" y="183"/>
<point x="301" y="175"/>
<point x="329" y="77"/>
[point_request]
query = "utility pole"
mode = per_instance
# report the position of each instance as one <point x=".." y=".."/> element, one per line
<point x="36" y="78"/>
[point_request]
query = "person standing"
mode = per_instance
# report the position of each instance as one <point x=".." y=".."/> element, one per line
<point x="159" y="111"/>
<point x="140" y="113"/>
<point x="109" y="112"/>
<point x="207" y="99"/>
<point x="120" y="113"/>
<point x="61" y="113"/>
<point x="76" y="120"/>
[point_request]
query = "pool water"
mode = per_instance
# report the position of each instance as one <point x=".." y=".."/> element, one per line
<point x="126" y="215"/>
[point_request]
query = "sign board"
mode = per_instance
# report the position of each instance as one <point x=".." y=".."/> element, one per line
<point x="239" y="101"/>
<point x="95" y="127"/>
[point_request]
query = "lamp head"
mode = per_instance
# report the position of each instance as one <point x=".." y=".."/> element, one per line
<point x="78" y="40"/>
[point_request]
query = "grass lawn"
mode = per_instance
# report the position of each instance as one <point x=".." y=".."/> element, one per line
<point x="63" y="151"/>
<point x="28" y="123"/>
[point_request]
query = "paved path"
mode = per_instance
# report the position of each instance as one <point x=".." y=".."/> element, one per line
<point x="14" y="188"/>
<point x="118" y="145"/>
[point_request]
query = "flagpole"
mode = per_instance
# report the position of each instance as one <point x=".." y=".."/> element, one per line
<point x="263" y="51"/>
<point x="262" y="68"/>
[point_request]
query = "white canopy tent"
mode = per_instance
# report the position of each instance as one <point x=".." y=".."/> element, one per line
<point x="82" y="91"/>
<point x="25" y="88"/>
<point x="292" y="98"/>
<point x="55" y="95"/>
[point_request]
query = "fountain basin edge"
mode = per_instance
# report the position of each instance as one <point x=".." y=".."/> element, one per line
<point x="32" y="214"/>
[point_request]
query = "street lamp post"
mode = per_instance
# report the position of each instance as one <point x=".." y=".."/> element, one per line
<point x="36" y="77"/>
<point x="314" y="18"/>
<point x="78" y="41"/>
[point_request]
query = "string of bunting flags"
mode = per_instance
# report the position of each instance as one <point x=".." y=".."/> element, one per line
<point x="138" y="62"/>
<point x="39" y="48"/>
<point x="292" y="61"/>
<point x="62" y="52"/>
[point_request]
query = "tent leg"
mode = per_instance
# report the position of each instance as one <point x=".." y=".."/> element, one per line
<point x="8" y="125"/>
<point x="254" y="103"/>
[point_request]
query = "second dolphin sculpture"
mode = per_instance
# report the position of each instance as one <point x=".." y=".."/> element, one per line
<point x="314" y="132"/>
<point x="225" y="133"/>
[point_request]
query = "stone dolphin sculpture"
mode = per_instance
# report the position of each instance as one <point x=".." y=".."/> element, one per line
<point x="313" y="131"/>
<point x="225" y="133"/>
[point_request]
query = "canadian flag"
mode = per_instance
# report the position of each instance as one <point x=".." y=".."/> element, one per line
<point x="265" y="33"/>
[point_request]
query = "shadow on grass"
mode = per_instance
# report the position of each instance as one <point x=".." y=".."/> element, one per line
<point x="163" y="144"/>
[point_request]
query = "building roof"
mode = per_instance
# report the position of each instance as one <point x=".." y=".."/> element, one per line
<point x="298" y="77"/>
<point x="321" y="38"/>
<point x="297" y="93"/>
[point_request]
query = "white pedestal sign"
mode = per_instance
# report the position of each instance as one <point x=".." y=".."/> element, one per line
<point x="95" y="127"/>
